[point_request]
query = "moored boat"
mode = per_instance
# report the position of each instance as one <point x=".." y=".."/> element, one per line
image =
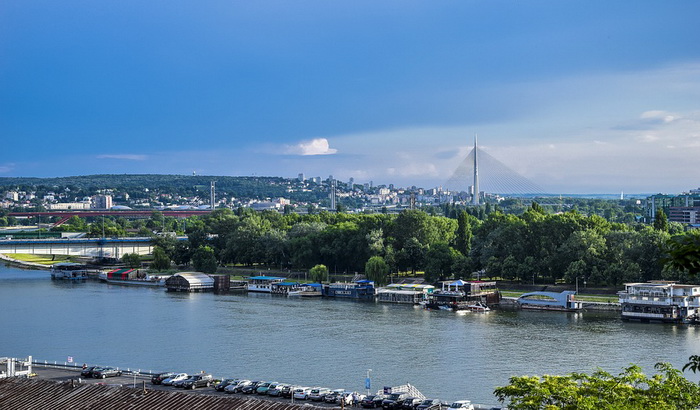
<point x="561" y="301"/>
<point x="361" y="289"/>
<point x="132" y="277"/>
<point x="310" y="290"/>
<point x="263" y="284"/>
<point x="69" y="271"/>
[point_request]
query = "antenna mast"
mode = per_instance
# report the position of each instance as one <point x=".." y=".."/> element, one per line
<point x="475" y="187"/>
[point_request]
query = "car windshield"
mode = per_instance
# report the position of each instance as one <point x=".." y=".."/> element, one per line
<point x="394" y="396"/>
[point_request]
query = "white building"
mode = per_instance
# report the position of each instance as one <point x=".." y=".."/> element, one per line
<point x="660" y="301"/>
<point x="65" y="206"/>
<point x="102" y="202"/>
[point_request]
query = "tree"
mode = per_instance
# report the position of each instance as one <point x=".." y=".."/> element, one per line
<point x="319" y="273"/>
<point x="131" y="260"/>
<point x="161" y="260"/>
<point x="631" y="389"/>
<point x="376" y="270"/>
<point x="438" y="262"/>
<point x="464" y="233"/>
<point x="204" y="260"/>
<point x="661" y="221"/>
<point x="684" y="253"/>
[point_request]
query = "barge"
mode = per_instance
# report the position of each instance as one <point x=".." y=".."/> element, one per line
<point x="131" y="277"/>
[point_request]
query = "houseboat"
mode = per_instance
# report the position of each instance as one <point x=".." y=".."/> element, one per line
<point x="309" y="290"/>
<point x="660" y="301"/>
<point x="361" y="289"/>
<point x="131" y="277"/>
<point x="263" y="284"/>
<point x="404" y="293"/>
<point x="69" y="271"/>
<point x="284" y="288"/>
<point x="562" y="301"/>
<point x="463" y="295"/>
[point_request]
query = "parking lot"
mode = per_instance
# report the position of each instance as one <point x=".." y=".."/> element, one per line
<point x="144" y="381"/>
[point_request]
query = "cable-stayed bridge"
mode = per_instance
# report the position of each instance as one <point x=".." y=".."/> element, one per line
<point x="493" y="176"/>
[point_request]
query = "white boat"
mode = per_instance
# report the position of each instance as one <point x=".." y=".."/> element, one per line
<point x="263" y="284"/>
<point x="307" y="291"/>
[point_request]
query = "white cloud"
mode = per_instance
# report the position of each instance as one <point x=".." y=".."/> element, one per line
<point x="316" y="146"/>
<point x="131" y="157"/>
<point x="5" y="168"/>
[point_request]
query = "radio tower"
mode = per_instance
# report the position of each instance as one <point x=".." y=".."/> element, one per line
<point x="213" y="194"/>
<point x="475" y="196"/>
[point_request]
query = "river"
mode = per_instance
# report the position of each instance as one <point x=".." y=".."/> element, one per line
<point x="332" y="343"/>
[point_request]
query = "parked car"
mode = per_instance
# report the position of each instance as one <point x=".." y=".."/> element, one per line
<point x="302" y="393"/>
<point x="158" y="378"/>
<point x="250" y="389"/>
<point x="318" y="393"/>
<point x="170" y="380"/>
<point x="431" y="404"/>
<point x="87" y="372"/>
<point x="410" y="403"/>
<point x="393" y="401"/>
<point x="262" y="388"/>
<point x="371" y="402"/>
<point x="334" y="395"/>
<point x="277" y="390"/>
<point x="287" y="391"/>
<point x="180" y="383"/>
<point x="222" y="384"/>
<point x="198" y="380"/>
<point x="462" y="404"/>
<point x="105" y="372"/>
<point x="235" y="386"/>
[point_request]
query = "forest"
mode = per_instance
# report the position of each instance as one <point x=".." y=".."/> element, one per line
<point x="534" y="247"/>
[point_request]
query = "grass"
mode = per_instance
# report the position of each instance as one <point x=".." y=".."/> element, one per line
<point x="580" y="297"/>
<point x="40" y="259"/>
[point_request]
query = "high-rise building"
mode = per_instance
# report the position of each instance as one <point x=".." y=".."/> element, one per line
<point x="102" y="202"/>
<point x="301" y="177"/>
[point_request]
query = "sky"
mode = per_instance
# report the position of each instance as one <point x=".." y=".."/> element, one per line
<point x="578" y="97"/>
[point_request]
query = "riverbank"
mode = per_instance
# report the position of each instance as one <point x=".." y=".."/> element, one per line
<point x="23" y="264"/>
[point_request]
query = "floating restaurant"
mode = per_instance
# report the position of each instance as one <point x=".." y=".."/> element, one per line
<point x="263" y="284"/>
<point x="190" y="282"/>
<point x="661" y="301"/>
<point x="404" y="293"/>
<point x="361" y="289"/>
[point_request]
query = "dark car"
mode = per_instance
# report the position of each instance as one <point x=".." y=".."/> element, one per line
<point x="431" y="404"/>
<point x="251" y="388"/>
<point x="393" y="401"/>
<point x="371" y="402"/>
<point x="222" y="384"/>
<point x="88" y="371"/>
<point x="277" y="390"/>
<point x="287" y="391"/>
<point x="158" y="378"/>
<point x="105" y="372"/>
<point x="198" y="380"/>
<point x="410" y="403"/>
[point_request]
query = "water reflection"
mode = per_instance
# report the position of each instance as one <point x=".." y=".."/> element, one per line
<point x="320" y="342"/>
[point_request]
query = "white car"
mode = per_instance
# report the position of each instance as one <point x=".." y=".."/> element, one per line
<point x="171" y="380"/>
<point x="318" y="393"/>
<point x="462" y="404"/>
<point x="302" y="393"/>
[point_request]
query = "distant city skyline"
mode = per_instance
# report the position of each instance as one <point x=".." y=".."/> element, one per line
<point x="577" y="97"/>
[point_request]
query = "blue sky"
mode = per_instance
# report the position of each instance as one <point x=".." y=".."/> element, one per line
<point x="580" y="97"/>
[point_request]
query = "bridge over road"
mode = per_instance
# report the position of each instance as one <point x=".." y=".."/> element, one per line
<point x="88" y="247"/>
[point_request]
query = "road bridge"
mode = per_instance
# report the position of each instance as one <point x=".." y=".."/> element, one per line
<point x="88" y="247"/>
